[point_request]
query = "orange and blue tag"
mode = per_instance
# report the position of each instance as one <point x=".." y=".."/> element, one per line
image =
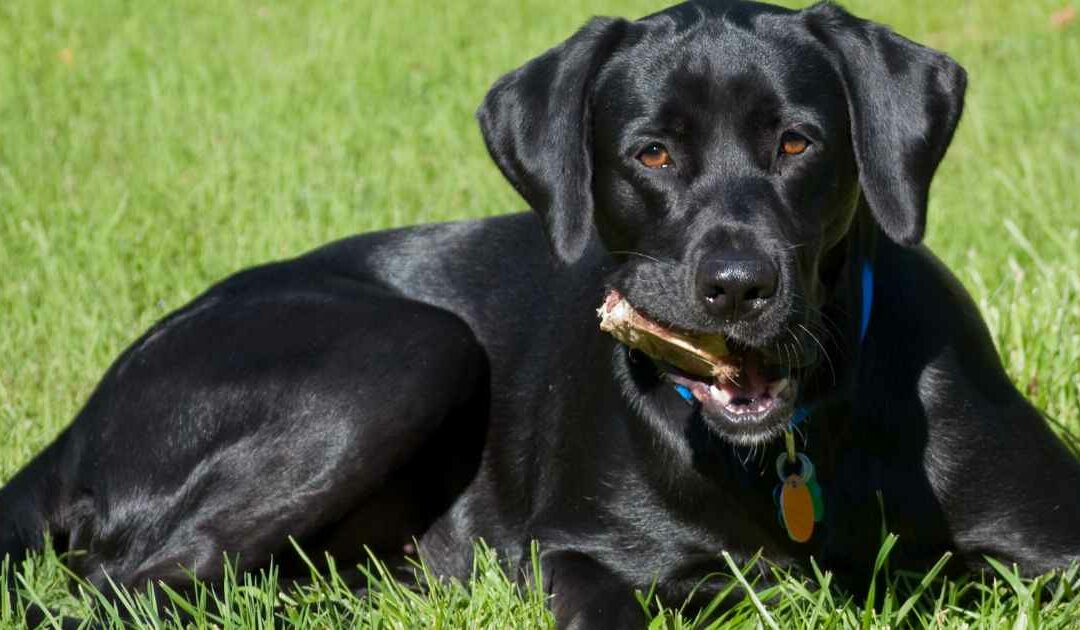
<point x="798" y="498"/>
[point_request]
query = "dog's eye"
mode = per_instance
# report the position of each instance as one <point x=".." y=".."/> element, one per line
<point x="792" y="143"/>
<point x="655" y="156"/>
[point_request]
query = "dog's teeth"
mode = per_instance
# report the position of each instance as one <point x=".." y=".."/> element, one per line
<point x="720" y="394"/>
<point x="778" y="387"/>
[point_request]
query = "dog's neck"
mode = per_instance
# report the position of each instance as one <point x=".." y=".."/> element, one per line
<point x="854" y="296"/>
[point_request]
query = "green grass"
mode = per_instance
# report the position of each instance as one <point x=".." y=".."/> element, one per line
<point x="148" y="149"/>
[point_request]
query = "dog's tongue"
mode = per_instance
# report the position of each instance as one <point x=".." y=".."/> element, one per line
<point x="749" y="381"/>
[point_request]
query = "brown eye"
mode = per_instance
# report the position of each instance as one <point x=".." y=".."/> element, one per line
<point x="792" y="143"/>
<point x="655" y="156"/>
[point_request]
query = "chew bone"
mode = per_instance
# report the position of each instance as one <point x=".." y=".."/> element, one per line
<point x="699" y="355"/>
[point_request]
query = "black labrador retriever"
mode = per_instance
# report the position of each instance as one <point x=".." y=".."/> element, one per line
<point x="730" y="168"/>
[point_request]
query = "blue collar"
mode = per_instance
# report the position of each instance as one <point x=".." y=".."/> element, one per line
<point x="802" y="412"/>
<point x="867" y="298"/>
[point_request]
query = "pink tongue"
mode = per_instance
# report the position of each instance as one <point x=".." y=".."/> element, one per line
<point x="751" y="382"/>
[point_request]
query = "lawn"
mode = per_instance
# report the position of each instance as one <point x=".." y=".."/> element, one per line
<point x="148" y="149"/>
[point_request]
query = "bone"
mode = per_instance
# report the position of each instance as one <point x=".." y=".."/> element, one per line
<point x="700" y="355"/>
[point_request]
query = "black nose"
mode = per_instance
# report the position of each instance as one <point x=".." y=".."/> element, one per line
<point x="736" y="287"/>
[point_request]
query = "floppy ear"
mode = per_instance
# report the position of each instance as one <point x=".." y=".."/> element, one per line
<point x="904" y="101"/>
<point x="536" y="124"/>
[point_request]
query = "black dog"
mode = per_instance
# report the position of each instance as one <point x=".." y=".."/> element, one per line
<point x="732" y="169"/>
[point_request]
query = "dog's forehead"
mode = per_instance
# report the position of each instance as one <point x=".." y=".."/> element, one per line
<point x="715" y="56"/>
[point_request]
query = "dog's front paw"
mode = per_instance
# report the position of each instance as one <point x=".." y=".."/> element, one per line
<point x="586" y="595"/>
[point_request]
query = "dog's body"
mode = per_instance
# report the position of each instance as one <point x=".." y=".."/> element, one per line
<point x="448" y="383"/>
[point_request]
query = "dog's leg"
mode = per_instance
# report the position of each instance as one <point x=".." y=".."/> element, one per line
<point x="274" y="406"/>
<point x="585" y="594"/>
<point x="1009" y="488"/>
<point x="967" y="463"/>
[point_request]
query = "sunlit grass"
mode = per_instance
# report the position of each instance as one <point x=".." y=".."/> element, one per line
<point x="490" y="598"/>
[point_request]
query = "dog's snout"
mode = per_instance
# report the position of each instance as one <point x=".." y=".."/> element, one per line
<point x="736" y="287"/>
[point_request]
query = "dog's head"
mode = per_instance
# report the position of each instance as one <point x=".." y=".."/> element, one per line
<point x="721" y="151"/>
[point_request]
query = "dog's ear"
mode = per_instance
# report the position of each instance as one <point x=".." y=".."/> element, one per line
<point x="904" y="101"/>
<point x="536" y="124"/>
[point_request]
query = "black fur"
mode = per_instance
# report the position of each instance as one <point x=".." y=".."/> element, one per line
<point x="449" y="382"/>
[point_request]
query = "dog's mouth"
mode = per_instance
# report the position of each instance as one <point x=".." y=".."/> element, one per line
<point x="748" y="394"/>
<point x="750" y="389"/>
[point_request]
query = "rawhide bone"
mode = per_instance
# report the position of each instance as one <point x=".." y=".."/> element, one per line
<point x="699" y="355"/>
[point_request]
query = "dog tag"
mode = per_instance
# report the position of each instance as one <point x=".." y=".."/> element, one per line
<point x="799" y="500"/>
<point x="797" y="508"/>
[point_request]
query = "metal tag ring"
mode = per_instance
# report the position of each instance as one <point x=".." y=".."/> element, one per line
<point x="806" y="468"/>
